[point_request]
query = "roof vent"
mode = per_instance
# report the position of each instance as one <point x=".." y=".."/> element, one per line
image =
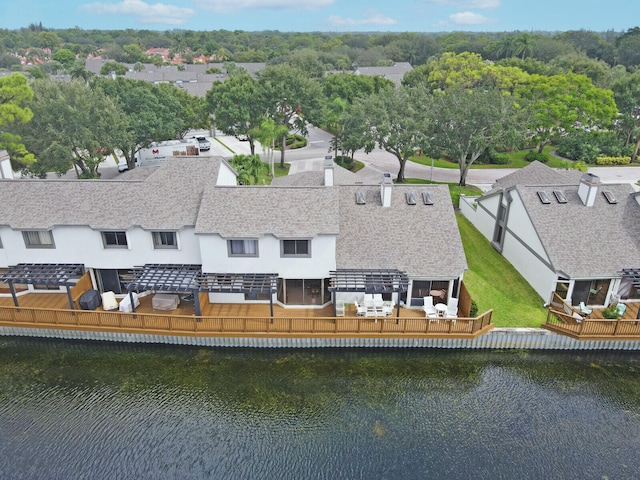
<point x="611" y="198"/>
<point x="544" y="198"/>
<point x="411" y="198"/>
<point x="560" y="196"/>
<point x="360" y="198"/>
<point x="426" y="198"/>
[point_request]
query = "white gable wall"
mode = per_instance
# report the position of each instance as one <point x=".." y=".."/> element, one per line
<point x="226" y="175"/>
<point x="522" y="247"/>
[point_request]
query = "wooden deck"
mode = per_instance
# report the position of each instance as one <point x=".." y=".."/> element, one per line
<point x="595" y="326"/>
<point x="51" y="310"/>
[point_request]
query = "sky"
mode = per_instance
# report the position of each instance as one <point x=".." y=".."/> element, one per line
<point x="325" y="15"/>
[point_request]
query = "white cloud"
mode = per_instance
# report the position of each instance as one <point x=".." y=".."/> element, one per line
<point x="369" y="18"/>
<point x="481" y="4"/>
<point x="470" y="18"/>
<point x="146" y="13"/>
<point x="230" y="6"/>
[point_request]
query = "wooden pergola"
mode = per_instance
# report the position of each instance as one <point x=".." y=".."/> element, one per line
<point x="368" y="281"/>
<point x="48" y="274"/>
<point x="251" y="284"/>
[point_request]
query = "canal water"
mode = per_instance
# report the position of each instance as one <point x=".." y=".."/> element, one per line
<point x="77" y="410"/>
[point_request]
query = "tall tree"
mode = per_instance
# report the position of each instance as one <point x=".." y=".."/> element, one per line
<point x="292" y="100"/>
<point x="72" y="125"/>
<point x="236" y="107"/>
<point x="396" y="120"/>
<point x="564" y="103"/>
<point x="15" y="95"/>
<point x="626" y="92"/>
<point x="468" y="121"/>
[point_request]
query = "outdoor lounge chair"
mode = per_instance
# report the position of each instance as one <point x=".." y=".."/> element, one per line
<point x="621" y="308"/>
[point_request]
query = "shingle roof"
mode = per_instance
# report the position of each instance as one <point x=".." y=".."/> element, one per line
<point x="585" y="241"/>
<point x="537" y="173"/>
<point x="280" y="211"/>
<point x="167" y="199"/>
<point x="419" y="239"/>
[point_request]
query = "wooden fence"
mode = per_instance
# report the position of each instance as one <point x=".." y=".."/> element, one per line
<point x="247" y="326"/>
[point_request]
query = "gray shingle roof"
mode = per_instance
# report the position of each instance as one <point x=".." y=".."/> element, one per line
<point x="279" y="211"/>
<point x="585" y="241"/>
<point x="418" y="239"/>
<point x="537" y="173"/>
<point x="167" y="199"/>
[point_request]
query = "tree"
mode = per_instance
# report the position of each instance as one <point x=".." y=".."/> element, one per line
<point x="468" y="121"/>
<point x="110" y="67"/>
<point x="49" y="40"/>
<point x="335" y="111"/>
<point x="65" y="56"/>
<point x="15" y="95"/>
<point x="248" y="167"/>
<point x="291" y="98"/>
<point x="236" y="106"/>
<point x="153" y="114"/>
<point x="267" y="132"/>
<point x="525" y="45"/>
<point x="396" y="120"/>
<point x="563" y="103"/>
<point x="626" y="92"/>
<point x="72" y="125"/>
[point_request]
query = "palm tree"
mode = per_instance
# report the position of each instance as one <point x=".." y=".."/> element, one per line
<point x="507" y="46"/>
<point x="524" y="45"/>
<point x="267" y="134"/>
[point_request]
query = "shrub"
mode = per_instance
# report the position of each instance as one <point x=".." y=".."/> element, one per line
<point x="610" y="313"/>
<point x="344" y="162"/>
<point x="588" y="146"/>
<point x="493" y="157"/>
<point x="473" y="309"/>
<point x="613" y="160"/>
<point x="533" y="155"/>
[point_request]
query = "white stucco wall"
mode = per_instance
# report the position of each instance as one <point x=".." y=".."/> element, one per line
<point x="226" y="176"/>
<point x="480" y="218"/>
<point x="215" y="258"/>
<point x="84" y="245"/>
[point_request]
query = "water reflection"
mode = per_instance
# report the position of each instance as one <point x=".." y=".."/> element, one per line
<point x="90" y="410"/>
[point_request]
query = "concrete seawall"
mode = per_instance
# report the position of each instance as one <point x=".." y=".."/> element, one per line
<point x="499" y="338"/>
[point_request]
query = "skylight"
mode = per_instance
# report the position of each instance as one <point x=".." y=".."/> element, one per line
<point x="611" y="198"/>
<point x="360" y="198"/>
<point x="426" y="198"/>
<point x="560" y="196"/>
<point x="544" y="198"/>
<point x="411" y="198"/>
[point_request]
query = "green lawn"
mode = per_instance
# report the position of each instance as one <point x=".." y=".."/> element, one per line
<point x="494" y="284"/>
<point x="454" y="189"/>
<point x="517" y="161"/>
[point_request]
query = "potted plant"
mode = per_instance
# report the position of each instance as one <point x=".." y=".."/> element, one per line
<point x="611" y="312"/>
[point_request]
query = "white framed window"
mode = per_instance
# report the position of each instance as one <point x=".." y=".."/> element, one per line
<point x="295" y="248"/>
<point x="242" y="248"/>
<point x="165" y="239"/>
<point x="114" y="239"/>
<point x="38" y="239"/>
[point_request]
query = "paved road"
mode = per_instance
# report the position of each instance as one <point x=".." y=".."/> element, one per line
<point x="377" y="162"/>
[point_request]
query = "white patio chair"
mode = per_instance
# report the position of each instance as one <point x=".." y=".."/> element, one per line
<point x="584" y="310"/>
<point x="452" y="308"/>
<point x="429" y="309"/>
<point x="361" y="310"/>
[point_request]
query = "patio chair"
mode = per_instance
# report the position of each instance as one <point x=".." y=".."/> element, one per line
<point x="584" y="310"/>
<point x="593" y="292"/>
<point x="621" y="308"/>
<point x="429" y="309"/>
<point x="452" y="308"/>
<point x="361" y="310"/>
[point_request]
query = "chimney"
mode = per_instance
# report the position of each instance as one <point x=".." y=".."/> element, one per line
<point x="588" y="188"/>
<point x="328" y="171"/>
<point x="385" y="190"/>
<point x="5" y="165"/>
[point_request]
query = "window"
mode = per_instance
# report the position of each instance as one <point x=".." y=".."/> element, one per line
<point x="294" y="248"/>
<point x="114" y="239"/>
<point x="242" y="248"/>
<point x="38" y="239"/>
<point x="164" y="240"/>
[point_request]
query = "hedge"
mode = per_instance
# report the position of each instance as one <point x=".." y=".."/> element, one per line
<point x="613" y="160"/>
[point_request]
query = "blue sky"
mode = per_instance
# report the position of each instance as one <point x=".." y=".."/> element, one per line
<point x="325" y="15"/>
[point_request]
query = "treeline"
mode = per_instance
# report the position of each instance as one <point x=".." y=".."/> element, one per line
<point x="340" y="51"/>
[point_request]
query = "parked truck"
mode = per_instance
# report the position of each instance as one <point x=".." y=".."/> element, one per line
<point x="158" y="152"/>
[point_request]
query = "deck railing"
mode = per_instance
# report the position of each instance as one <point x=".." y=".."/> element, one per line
<point x="559" y="320"/>
<point x="200" y="325"/>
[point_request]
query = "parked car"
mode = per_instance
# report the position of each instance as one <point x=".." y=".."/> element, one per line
<point x="204" y="143"/>
<point x="242" y="137"/>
